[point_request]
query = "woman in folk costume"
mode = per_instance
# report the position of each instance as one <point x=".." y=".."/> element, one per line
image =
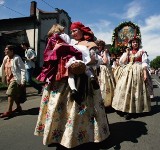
<point x="115" y="64"/>
<point x="131" y="94"/>
<point x="117" y="69"/>
<point x="64" y="121"/>
<point x="106" y="78"/>
<point x="70" y="56"/>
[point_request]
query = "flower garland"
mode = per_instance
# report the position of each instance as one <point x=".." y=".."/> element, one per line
<point x="118" y="48"/>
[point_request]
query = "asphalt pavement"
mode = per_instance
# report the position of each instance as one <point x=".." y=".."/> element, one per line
<point x="139" y="133"/>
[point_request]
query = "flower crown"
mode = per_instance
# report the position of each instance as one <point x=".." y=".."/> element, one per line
<point x="135" y="38"/>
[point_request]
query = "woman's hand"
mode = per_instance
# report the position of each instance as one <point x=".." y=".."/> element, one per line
<point x="141" y="53"/>
<point x="127" y="50"/>
<point x="144" y="74"/>
<point x="93" y="60"/>
<point x="124" y="60"/>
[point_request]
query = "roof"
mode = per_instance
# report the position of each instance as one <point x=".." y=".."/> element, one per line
<point x="17" y="23"/>
<point x="10" y="32"/>
<point x="14" y="20"/>
<point x="46" y="12"/>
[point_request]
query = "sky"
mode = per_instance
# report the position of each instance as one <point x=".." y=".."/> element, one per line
<point x="102" y="16"/>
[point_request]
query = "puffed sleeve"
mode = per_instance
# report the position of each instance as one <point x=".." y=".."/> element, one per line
<point x="109" y="58"/>
<point x="94" y="55"/>
<point x="121" y="63"/>
<point x="142" y="53"/>
<point x="145" y="60"/>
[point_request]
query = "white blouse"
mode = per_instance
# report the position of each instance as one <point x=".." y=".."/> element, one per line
<point x="138" y="54"/>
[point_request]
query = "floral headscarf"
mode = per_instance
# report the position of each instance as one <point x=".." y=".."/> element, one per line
<point x="88" y="34"/>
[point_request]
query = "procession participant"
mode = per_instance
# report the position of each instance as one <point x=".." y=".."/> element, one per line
<point x="61" y="120"/>
<point x="131" y="94"/>
<point x="106" y="77"/>
<point x="76" y="60"/>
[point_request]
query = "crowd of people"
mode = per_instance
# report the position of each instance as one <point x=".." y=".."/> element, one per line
<point x="81" y="82"/>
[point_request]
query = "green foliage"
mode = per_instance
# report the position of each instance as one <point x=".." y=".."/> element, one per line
<point x="118" y="48"/>
<point x="155" y="63"/>
<point x="117" y="51"/>
<point x="114" y="50"/>
<point x="121" y="25"/>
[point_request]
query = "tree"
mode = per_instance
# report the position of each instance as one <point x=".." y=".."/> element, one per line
<point x="155" y="63"/>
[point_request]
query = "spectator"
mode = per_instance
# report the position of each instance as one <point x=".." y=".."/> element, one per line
<point x="30" y="59"/>
<point x="13" y="74"/>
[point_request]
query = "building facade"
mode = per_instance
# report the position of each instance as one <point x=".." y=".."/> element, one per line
<point x="32" y="29"/>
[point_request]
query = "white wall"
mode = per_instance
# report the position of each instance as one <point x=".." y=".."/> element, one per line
<point x="45" y="24"/>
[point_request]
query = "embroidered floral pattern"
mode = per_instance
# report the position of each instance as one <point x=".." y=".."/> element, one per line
<point x="56" y="134"/>
<point x="45" y="100"/>
<point x="105" y="129"/>
<point x="54" y="91"/>
<point x="108" y="90"/>
<point x="40" y="127"/>
<point x="92" y="119"/>
<point x="107" y="84"/>
<point x="69" y="123"/>
<point x="101" y="104"/>
<point x="60" y="107"/>
<point x="130" y="93"/>
<point x="82" y="109"/>
<point x="81" y="135"/>
<point x="47" y="115"/>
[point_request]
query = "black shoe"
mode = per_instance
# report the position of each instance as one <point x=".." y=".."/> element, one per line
<point x="128" y="116"/>
<point x="121" y="114"/>
<point x="40" y="91"/>
<point x="94" y="83"/>
<point x="75" y="96"/>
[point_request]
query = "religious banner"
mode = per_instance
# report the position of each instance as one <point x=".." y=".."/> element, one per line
<point x="121" y="36"/>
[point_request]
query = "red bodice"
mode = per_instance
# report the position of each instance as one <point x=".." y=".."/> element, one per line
<point x="138" y="59"/>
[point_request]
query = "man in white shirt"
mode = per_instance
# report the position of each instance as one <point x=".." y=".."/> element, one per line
<point x="30" y="58"/>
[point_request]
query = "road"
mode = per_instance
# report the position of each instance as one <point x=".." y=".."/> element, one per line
<point x="140" y="133"/>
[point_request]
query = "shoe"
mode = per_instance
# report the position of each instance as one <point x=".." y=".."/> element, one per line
<point x="121" y="114"/>
<point x="75" y="96"/>
<point x="17" y="110"/>
<point x="94" y="83"/>
<point x="6" y="114"/>
<point x="40" y="91"/>
<point x="127" y="116"/>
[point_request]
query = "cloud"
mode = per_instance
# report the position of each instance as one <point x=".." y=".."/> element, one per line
<point x="149" y="28"/>
<point x="134" y="9"/>
<point x="102" y="30"/>
<point x="151" y="35"/>
<point x="152" y="24"/>
<point x="151" y="45"/>
<point x="2" y="2"/>
<point x="131" y="11"/>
